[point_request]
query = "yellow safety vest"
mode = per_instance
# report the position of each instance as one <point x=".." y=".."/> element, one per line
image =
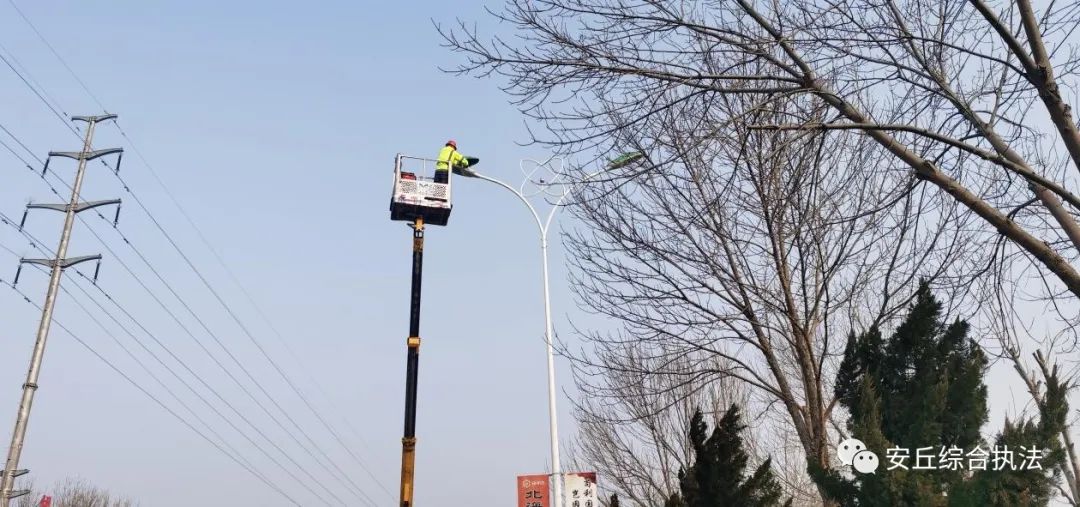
<point x="448" y="155"/>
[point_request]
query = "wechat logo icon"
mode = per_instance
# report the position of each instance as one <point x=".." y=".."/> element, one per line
<point x="853" y="452"/>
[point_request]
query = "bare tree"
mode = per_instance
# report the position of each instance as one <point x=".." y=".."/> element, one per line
<point x="747" y="255"/>
<point x="29" y="500"/>
<point x="74" y="493"/>
<point x="968" y="95"/>
<point x="634" y="432"/>
<point x="971" y="97"/>
<point x="1036" y="384"/>
<point x="80" y="493"/>
<point x="633" y="428"/>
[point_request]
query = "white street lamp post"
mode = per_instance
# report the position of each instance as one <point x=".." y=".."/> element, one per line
<point x="552" y="417"/>
<point x="548" y="332"/>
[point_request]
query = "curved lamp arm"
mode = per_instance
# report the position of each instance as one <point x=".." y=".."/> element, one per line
<point x="622" y="161"/>
<point x="570" y="188"/>
<point x="536" y="217"/>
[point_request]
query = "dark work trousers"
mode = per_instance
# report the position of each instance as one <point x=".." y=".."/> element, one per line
<point x="442" y="176"/>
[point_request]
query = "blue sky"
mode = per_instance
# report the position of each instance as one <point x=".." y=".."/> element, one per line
<point x="275" y="125"/>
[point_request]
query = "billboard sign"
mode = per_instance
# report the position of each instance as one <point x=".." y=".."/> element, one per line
<point x="532" y="491"/>
<point x="579" y="490"/>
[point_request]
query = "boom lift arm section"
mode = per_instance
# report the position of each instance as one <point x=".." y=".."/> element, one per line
<point x="408" y="442"/>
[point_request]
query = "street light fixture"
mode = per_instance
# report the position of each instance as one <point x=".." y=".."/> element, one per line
<point x="543" y="226"/>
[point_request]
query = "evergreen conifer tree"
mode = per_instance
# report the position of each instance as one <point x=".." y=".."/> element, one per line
<point x="923" y="387"/>
<point x="719" y="476"/>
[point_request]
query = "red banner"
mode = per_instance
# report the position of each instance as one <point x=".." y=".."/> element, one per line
<point x="532" y="491"/>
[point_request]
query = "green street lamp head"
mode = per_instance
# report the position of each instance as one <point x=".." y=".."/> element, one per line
<point x="625" y="159"/>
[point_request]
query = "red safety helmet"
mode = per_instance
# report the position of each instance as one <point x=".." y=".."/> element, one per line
<point x="452" y="143"/>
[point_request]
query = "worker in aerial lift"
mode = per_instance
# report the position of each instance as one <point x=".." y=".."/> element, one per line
<point x="449" y="158"/>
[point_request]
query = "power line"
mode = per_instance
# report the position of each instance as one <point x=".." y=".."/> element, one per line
<point x="57" y="265"/>
<point x="101" y="240"/>
<point x="244" y="290"/>
<point x="17" y="140"/>
<point x="214" y="336"/>
<point x="338" y="478"/>
<point x="178" y="377"/>
<point x="288" y="380"/>
<point x="229" y="353"/>
<point x="34" y="241"/>
<point x="32" y="79"/>
<point x="229" y="309"/>
<point x="143" y="364"/>
<point x="4" y="219"/>
<point x="36" y="92"/>
<point x="266" y="320"/>
<point x="57" y="55"/>
<point x="43" y="174"/>
<point x="158" y="225"/>
<point x="31" y="168"/>
<point x="15" y="154"/>
<point x="10" y="251"/>
<point x="149" y="395"/>
<point x="75" y="131"/>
